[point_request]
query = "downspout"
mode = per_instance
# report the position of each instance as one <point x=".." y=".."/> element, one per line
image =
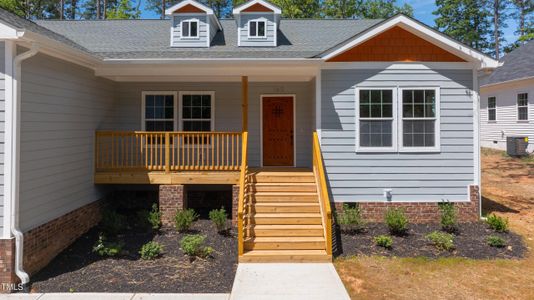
<point x="15" y="165"/>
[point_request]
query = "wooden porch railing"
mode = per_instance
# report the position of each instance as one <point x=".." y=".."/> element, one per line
<point x="322" y="191"/>
<point x="243" y="194"/>
<point x="168" y="151"/>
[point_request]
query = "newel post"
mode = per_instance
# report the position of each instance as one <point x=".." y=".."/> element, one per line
<point x="244" y="97"/>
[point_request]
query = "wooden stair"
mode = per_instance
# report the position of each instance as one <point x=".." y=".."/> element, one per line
<point x="283" y="221"/>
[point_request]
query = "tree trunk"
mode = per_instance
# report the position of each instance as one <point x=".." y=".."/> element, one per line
<point x="522" y="17"/>
<point x="62" y="9"/>
<point x="73" y="5"/>
<point x="163" y="5"/>
<point x="98" y="15"/>
<point x="496" y="25"/>
<point x="105" y="9"/>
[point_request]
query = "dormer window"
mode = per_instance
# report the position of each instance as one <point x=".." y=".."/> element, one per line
<point x="256" y="29"/>
<point x="190" y="29"/>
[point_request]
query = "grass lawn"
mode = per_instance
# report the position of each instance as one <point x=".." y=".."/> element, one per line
<point x="508" y="190"/>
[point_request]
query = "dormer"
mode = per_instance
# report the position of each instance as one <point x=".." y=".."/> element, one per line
<point x="257" y="24"/>
<point x="193" y="24"/>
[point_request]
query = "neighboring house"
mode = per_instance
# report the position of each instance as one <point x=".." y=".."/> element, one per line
<point x="290" y="115"/>
<point x="507" y="99"/>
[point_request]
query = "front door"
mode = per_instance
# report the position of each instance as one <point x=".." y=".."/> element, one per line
<point x="278" y="144"/>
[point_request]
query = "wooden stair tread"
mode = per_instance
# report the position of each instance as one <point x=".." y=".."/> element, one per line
<point x="286" y="215"/>
<point x="282" y="193"/>
<point x="304" y="204"/>
<point x="284" y="239"/>
<point x="289" y="226"/>
<point x="284" y="252"/>
<point x="285" y="183"/>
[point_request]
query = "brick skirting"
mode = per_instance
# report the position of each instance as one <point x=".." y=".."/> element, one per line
<point x="420" y="212"/>
<point x="235" y="203"/>
<point x="171" y="199"/>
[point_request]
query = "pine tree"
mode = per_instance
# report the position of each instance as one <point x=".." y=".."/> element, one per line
<point x="383" y="9"/>
<point x="499" y="18"/>
<point x="342" y="9"/>
<point x="123" y="10"/>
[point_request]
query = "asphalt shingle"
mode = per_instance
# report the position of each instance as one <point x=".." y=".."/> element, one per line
<point x="516" y="65"/>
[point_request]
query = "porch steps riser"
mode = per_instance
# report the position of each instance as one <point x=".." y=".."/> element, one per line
<point x="282" y="179"/>
<point x="285" y="243"/>
<point x="302" y="187"/>
<point x="285" y="208"/>
<point x="284" y="197"/>
<point x="281" y="256"/>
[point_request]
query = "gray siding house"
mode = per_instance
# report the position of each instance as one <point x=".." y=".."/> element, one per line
<point x="277" y="111"/>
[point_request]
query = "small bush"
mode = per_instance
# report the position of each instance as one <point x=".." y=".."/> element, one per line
<point x="396" y="221"/>
<point x="495" y="241"/>
<point x="219" y="218"/>
<point x="113" y="223"/>
<point x="384" y="241"/>
<point x="151" y="250"/>
<point x="497" y="223"/>
<point x="154" y="217"/>
<point x="442" y="240"/>
<point x="193" y="245"/>
<point x="184" y="219"/>
<point x="449" y="221"/>
<point x="350" y="220"/>
<point x="105" y="248"/>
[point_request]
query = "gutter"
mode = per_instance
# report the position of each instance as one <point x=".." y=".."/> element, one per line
<point x="15" y="165"/>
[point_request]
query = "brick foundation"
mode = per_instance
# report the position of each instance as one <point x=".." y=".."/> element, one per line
<point x="7" y="264"/>
<point x="235" y="203"/>
<point x="420" y="212"/>
<point x="171" y="199"/>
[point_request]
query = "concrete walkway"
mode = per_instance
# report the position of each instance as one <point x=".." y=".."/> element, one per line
<point x="284" y="281"/>
<point x="114" y="296"/>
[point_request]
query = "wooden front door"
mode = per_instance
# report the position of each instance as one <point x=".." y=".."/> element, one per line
<point x="278" y="131"/>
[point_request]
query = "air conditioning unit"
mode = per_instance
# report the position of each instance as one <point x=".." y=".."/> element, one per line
<point x="516" y="145"/>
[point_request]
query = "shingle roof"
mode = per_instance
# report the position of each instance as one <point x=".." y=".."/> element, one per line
<point x="516" y="65"/>
<point x="136" y="39"/>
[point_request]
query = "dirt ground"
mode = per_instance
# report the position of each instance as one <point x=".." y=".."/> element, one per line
<point x="508" y="190"/>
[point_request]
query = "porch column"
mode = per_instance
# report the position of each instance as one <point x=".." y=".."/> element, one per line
<point x="244" y="97"/>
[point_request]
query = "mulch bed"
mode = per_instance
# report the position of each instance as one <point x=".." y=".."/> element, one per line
<point x="78" y="269"/>
<point x="470" y="242"/>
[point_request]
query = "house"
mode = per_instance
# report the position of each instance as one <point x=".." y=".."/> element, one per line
<point x="507" y="99"/>
<point x="296" y="117"/>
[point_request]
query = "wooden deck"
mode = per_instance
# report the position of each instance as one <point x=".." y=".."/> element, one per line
<point x="159" y="177"/>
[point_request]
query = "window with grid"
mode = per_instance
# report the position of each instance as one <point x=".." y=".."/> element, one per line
<point x="522" y="107"/>
<point x="159" y="111"/>
<point x="190" y="29"/>
<point x="257" y="29"/>
<point x="492" y="109"/>
<point x="418" y="118"/>
<point x="375" y="118"/>
<point x="197" y="111"/>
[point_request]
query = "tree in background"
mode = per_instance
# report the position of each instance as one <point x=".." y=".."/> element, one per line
<point x="465" y="20"/>
<point x="383" y="9"/>
<point x="499" y="17"/>
<point x="293" y="8"/>
<point x="342" y="9"/>
<point x="123" y="10"/>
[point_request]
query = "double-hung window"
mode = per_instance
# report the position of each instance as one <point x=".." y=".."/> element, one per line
<point x="159" y="111"/>
<point x="197" y="111"/>
<point x="522" y="107"/>
<point x="190" y="29"/>
<point x="257" y="29"/>
<point x="419" y="119"/>
<point x="375" y="114"/>
<point x="492" y="109"/>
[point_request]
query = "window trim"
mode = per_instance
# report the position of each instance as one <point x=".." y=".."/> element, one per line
<point x="156" y="93"/>
<point x="190" y="37"/>
<point x="394" y="144"/>
<point x="180" y="102"/>
<point x="517" y="107"/>
<point x="264" y="36"/>
<point x="488" y="109"/>
<point x="437" y="120"/>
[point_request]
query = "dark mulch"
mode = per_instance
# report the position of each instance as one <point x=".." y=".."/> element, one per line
<point x="78" y="269"/>
<point x="469" y="241"/>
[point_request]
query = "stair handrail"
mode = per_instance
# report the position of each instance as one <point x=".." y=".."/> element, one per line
<point x="242" y="194"/>
<point x="324" y="199"/>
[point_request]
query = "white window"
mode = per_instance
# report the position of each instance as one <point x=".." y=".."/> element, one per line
<point x="257" y="29"/>
<point x="158" y="111"/>
<point x="197" y="111"/>
<point x="375" y="116"/>
<point x="522" y="107"/>
<point x="492" y="109"/>
<point x="190" y="29"/>
<point x="419" y="128"/>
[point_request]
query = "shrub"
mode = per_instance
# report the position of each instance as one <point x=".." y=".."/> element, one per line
<point x="151" y="250"/>
<point x="105" y="248"/>
<point x="495" y="241"/>
<point x="219" y="218"/>
<point x="184" y="218"/>
<point x="396" y="221"/>
<point x="350" y="220"/>
<point x="442" y="240"/>
<point x="154" y="217"/>
<point x="449" y="221"/>
<point x="113" y="223"/>
<point x="497" y="223"/>
<point x="384" y="241"/>
<point x="193" y="245"/>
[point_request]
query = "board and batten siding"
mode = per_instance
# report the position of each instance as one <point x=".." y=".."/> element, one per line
<point x="127" y="110"/>
<point x="439" y="176"/>
<point x="2" y="131"/>
<point x="62" y="106"/>
<point x="268" y="41"/>
<point x="493" y="133"/>
<point x="201" y="41"/>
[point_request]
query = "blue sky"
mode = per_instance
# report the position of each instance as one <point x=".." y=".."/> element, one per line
<point x="422" y="11"/>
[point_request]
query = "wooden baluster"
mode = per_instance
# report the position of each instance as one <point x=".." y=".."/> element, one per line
<point x="167" y="152"/>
